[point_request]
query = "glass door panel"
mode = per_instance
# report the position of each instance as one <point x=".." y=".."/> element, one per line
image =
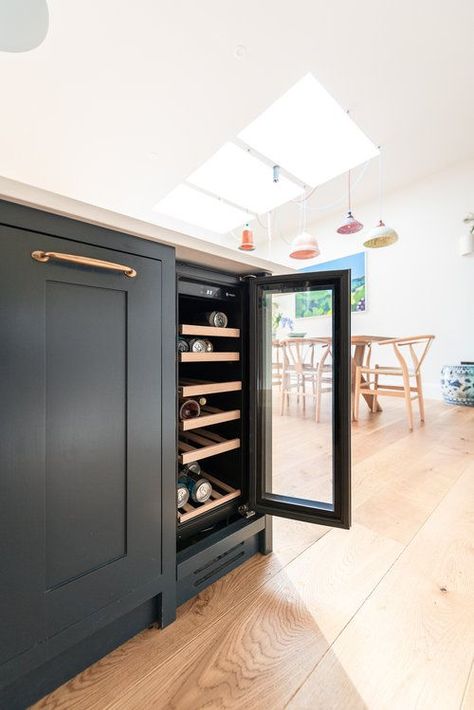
<point x="302" y="427"/>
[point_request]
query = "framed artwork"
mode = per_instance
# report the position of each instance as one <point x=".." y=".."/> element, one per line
<point x="311" y="304"/>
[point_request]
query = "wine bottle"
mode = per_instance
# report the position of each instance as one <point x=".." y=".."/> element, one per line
<point x="217" y="319"/>
<point x="189" y="409"/>
<point x="200" y="488"/>
<point x="198" y="345"/>
<point x="183" y="345"/>
<point x="182" y="493"/>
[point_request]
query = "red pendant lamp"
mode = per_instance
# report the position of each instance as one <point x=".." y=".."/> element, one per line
<point x="350" y="225"/>
<point x="247" y="243"/>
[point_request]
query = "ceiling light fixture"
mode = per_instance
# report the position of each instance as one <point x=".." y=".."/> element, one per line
<point x="350" y="225"/>
<point x="304" y="245"/>
<point x="247" y="243"/>
<point x="23" y="25"/>
<point x="381" y="235"/>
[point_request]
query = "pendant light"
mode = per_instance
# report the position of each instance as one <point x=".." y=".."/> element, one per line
<point x="304" y="245"/>
<point x="350" y="225"/>
<point x="247" y="243"/>
<point x="381" y="235"/>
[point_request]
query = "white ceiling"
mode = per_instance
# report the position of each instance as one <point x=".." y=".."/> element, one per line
<point x="122" y="101"/>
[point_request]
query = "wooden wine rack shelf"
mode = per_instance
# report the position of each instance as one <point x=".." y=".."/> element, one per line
<point x="208" y="330"/>
<point x="192" y="388"/>
<point x="209" y="416"/>
<point x="201" y="443"/>
<point x="221" y="494"/>
<point x="209" y="357"/>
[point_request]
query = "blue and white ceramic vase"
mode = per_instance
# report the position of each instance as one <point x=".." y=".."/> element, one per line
<point x="457" y="384"/>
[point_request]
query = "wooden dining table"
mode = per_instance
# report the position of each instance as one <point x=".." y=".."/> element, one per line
<point x="360" y="345"/>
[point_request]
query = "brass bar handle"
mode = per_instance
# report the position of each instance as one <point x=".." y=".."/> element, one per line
<point x="45" y="256"/>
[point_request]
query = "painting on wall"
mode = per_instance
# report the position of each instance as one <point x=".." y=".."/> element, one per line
<point x="310" y="304"/>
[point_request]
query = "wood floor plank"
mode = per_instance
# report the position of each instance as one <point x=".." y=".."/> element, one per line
<point x="410" y="645"/>
<point x="276" y="634"/>
<point x="468" y="698"/>
<point x="411" y="455"/>
<point x="402" y="504"/>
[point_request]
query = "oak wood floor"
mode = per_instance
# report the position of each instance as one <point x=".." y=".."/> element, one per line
<point x="378" y="617"/>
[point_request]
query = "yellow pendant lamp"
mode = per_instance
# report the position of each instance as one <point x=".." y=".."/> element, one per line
<point x="381" y="235"/>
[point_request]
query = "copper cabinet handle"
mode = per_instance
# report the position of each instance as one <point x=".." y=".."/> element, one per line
<point x="45" y="256"/>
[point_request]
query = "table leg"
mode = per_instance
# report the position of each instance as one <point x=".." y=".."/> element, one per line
<point x="358" y="359"/>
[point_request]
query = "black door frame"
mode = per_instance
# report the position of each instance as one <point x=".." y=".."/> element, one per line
<point x="339" y="514"/>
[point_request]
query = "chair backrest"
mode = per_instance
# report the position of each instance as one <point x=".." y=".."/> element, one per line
<point x="294" y="354"/>
<point x="415" y="347"/>
<point x="325" y="357"/>
<point x="277" y="364"/>
<point x="301" y="353"/>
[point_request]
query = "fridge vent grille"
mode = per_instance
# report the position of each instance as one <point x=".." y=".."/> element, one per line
<point x="213" y="567"/>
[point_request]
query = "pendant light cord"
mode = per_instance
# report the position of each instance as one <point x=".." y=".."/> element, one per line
<point x="340" y="200"/>
<point x="304" y="201"/>
<point x="349" y="188"/>
<point x="380" y="182"/>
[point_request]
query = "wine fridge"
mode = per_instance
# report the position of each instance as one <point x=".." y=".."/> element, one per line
<point x="234" y="467"/>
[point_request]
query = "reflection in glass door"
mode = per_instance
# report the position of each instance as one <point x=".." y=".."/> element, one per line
<point x="300" y="366"/>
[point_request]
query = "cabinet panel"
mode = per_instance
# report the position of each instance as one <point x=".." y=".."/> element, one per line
<point x="81" y="446"/>
<point x="21" y="457"/>
<point x="86" y="399"/>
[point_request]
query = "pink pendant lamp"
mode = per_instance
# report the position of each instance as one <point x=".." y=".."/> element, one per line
<point x="350" y="225"/>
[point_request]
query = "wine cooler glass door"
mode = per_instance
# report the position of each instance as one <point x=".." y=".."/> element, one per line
<point x="301" y="379"/>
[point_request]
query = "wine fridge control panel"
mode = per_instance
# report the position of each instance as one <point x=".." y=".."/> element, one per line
<point x="200" y="290"/>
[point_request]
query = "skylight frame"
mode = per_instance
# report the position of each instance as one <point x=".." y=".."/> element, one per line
<point x="193" y="206"/>
<point x="309" y="134"/>
<point x="243" y="179"/>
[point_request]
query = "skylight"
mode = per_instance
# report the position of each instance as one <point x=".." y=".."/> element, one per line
<point x="241" y="178"/>
<point x="194" y="207"/>
<point x="309" y="134"/>
<point x="305" y="132"/>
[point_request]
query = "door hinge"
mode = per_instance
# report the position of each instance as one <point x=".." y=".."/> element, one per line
<point x="245" y="511"/>
<point x="247" y="276"/>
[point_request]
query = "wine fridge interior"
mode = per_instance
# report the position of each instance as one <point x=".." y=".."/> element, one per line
<point x="211" y="414"/>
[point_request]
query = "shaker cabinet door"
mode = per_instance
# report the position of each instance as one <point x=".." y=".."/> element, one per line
<point x="80" y="433"/>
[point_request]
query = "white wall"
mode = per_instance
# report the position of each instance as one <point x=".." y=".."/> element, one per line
<point x="421" y="284"/>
